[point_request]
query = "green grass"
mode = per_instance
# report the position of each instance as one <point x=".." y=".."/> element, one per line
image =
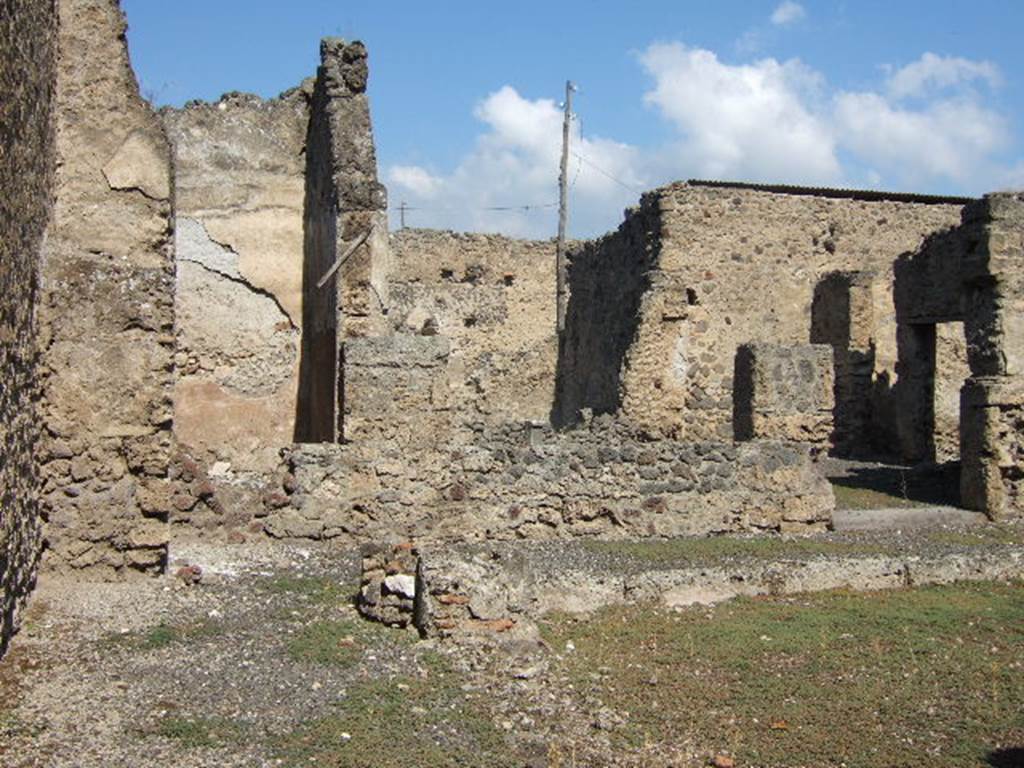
<point x="319" y="590"/>
<point x="921" y="677"/>
<point x="164" y="635"/>
<point x="868" y="498"/>
<point x="988" y="535"/>
<point x="711" y="548"/>
<point x="341" y="642"/>
<point x="196" y="733"/>
<point x="424" y="721"/>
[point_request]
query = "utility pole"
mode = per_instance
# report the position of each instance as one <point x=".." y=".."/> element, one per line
<point x="563" y="213"/>
<point x="401" y="213"/>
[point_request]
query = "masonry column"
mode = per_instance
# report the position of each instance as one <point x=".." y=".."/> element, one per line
<point x="992" y="400"/>
<point x="346" y="254"/>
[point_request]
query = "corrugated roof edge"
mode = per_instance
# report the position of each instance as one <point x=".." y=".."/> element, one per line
<point x="870" y="195"/>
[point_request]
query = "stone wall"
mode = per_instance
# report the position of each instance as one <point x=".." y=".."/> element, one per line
<point x="344" y="220"/>
<point x="611" y="283"/>
<point x="107" y="315"/>
<point x="28" y="33"/>
<point x="737" y="265"/>
<point x="528" y="481"/>
<point x="992" y="401"/>
<point x="784" y="393"/>
<point x="239" y="170"/>
<point x="396" y="393"/>
<point x="493" y="298"/>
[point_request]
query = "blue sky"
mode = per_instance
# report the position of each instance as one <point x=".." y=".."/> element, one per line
<point x="912" y="96"/>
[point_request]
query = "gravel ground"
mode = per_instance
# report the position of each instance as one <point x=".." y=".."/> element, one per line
<point x="119" y="674"/>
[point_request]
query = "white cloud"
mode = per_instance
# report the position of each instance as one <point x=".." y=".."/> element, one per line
<point x="947" y="139"/>
<point x="945" y="134"/>
<point x="417" y="180"/>
<point x="931" y="72"/>
<point x="926" y="127"/>
<point x="745" y="121"/>
<point x="508" y="182"/>
<point x="788" y="12"/>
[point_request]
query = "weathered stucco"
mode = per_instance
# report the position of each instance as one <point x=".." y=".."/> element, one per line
<point x="239" y="167"/>
<point x="27" y="80"/>
<point x="107" y="312"/>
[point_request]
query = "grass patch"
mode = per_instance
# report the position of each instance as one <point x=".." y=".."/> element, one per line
<point x="423" y="721"/>
<point x="320" y="590"/>
<point x="341" y="642"/>
<point x="911" y="678"/>
<point x="196" y="733"/>
<point x="708" y="549"/>
<point x="886" y="487"/>
<point x="849" y="497"/>
<point x="987" y="535"/>
<point x="164" y="635"/>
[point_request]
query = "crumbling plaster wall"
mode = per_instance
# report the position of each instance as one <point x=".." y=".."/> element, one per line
<point x="741" y="265"/>
<point x="493" y="299"/>
<point x="239" y="167"/>
<point x="28" y="32"/>
<point x="107" y="312"/>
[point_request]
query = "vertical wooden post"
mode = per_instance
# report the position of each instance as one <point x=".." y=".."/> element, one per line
<point x="563" y="214"/>
<point x="401" y="213"/>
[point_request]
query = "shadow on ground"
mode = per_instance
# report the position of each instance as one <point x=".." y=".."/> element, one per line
<point x="878" y="486"/>
<point x="1007" y="758"/>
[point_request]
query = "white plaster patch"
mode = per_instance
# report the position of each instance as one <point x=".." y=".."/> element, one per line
<point x="140" y="164"/>
<point x="680" y="365"/>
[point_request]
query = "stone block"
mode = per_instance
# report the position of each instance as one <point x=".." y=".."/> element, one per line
<point x="783" y="392"/>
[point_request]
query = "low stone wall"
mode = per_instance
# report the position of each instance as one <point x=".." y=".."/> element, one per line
<point x="27" y="79"/>
<point x="528" y="482"/>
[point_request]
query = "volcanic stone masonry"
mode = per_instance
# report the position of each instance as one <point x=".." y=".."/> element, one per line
<point x="27" y="76"/>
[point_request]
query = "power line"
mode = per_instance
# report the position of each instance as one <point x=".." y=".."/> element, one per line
<point x="610" y="175"/>
<point x="453" y="209"/>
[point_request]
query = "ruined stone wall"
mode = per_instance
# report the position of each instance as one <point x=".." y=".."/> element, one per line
<point x="741" y="265"/>
<point x="344" y="220"/>
<point x="493" y="298"/>
<point x="992" y="401"/>
<point x="396" y="394"/>
<point x="107" y="316"/>
<point x="28" y="33"/>
<point x="239" y="169"/>
<point x="527" y="481"/>
<point x="609" y="280"/>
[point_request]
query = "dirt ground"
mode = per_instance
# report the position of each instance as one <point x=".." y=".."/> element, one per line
<point x="265" y="662"/>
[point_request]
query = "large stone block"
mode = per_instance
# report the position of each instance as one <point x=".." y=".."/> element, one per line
<point x="783" y="392"/>
<point x="992" y="446"/>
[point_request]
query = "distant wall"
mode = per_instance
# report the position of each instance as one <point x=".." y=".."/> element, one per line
<point x="28" y="32"/>
<point x="734" y="266"/>
<point x="493" y="298"/>
<point x="609" y="278"/>
<point x="107" y="315"/>
<point x="239" y="169"/>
